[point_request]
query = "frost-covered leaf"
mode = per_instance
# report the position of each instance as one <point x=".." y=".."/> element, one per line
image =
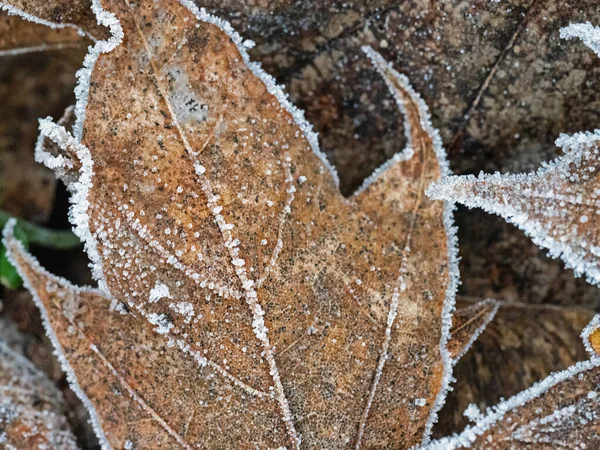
<point x="9" y="277"/>
<point x="497" y="77"/>
<point x="522" y="345"/>
<point x="558" y="206"/>
<point x="19" y="36"/>
<point x="560" y="412"/>
<point x="468" y="322"/>
<point x="31" y="408"/>
<point x="216" y="228"/>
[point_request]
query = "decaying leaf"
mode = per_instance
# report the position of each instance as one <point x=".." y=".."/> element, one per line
<point x="21" y="36"/>
<point x="281" y="312"/>
<point x="522" y="345"/>
<point x="467" y="323"/>
<point x="559" y="205"/>
<point x="561" y="411"/>
<point x="31" y="408"/>
<point x="37" y="70"/>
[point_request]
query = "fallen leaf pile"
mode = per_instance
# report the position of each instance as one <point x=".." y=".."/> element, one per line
<point x="242" y="301"/>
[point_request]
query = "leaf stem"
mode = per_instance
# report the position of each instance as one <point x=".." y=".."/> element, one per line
<point x="56" y="239"/>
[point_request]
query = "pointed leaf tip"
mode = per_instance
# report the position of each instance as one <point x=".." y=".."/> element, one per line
<point x="468" y="322"/>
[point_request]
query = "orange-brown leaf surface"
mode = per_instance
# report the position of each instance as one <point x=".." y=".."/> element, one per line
<point x="244" y="302"/>
<point x="31" y="408"/>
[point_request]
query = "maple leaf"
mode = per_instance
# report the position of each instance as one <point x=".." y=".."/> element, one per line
<point x="267" y="308"/>
<point x="31" y="408"/>
<point x="558" y="206"/>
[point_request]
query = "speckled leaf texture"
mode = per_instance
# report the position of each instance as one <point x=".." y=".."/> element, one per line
<point x="31" y="408"/>
<point x="243" y="302"/>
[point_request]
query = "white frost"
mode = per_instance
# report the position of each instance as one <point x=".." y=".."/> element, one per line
<point x="268" y="80"/>
<point x="159" y="291"/>
<point x="589" y="34"/>
<point x="9" y="241"/>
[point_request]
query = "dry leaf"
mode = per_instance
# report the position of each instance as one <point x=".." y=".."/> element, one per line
<point x="498" y="79"/>
<point x="38" y="75"/>
<point x="559" y="412"/>
<point x="468" y="322"/>
<point x="31" y="408"/>
<point x="522" y="345"/>
<point x="215" y="226"/>
<point x="558" y="206"/>
<point x="19" y="36"/>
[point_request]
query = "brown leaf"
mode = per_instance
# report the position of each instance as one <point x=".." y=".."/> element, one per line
<point x="218" y="231"/>
<point x="468" y="322"/>
<point x="34" y="83"/>
<point x="522" y="345"/>
<point x="19" y="36"/>
<point x="499" y="81"/>
<point x="31" y="408"/>
<point x="559" y="412"/>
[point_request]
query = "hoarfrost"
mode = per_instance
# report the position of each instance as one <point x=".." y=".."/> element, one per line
<point x="8" y="235"/>
<point x="159" y="291"/>
<point x="164" y="325"/>
<point x="186" y="309"/>
<point x="268" y="81"/>
<point x="581" y="410"/>
<point x="589" y="34"/>
<point x="390" y="76"/>
<point x="544" y="203"/>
